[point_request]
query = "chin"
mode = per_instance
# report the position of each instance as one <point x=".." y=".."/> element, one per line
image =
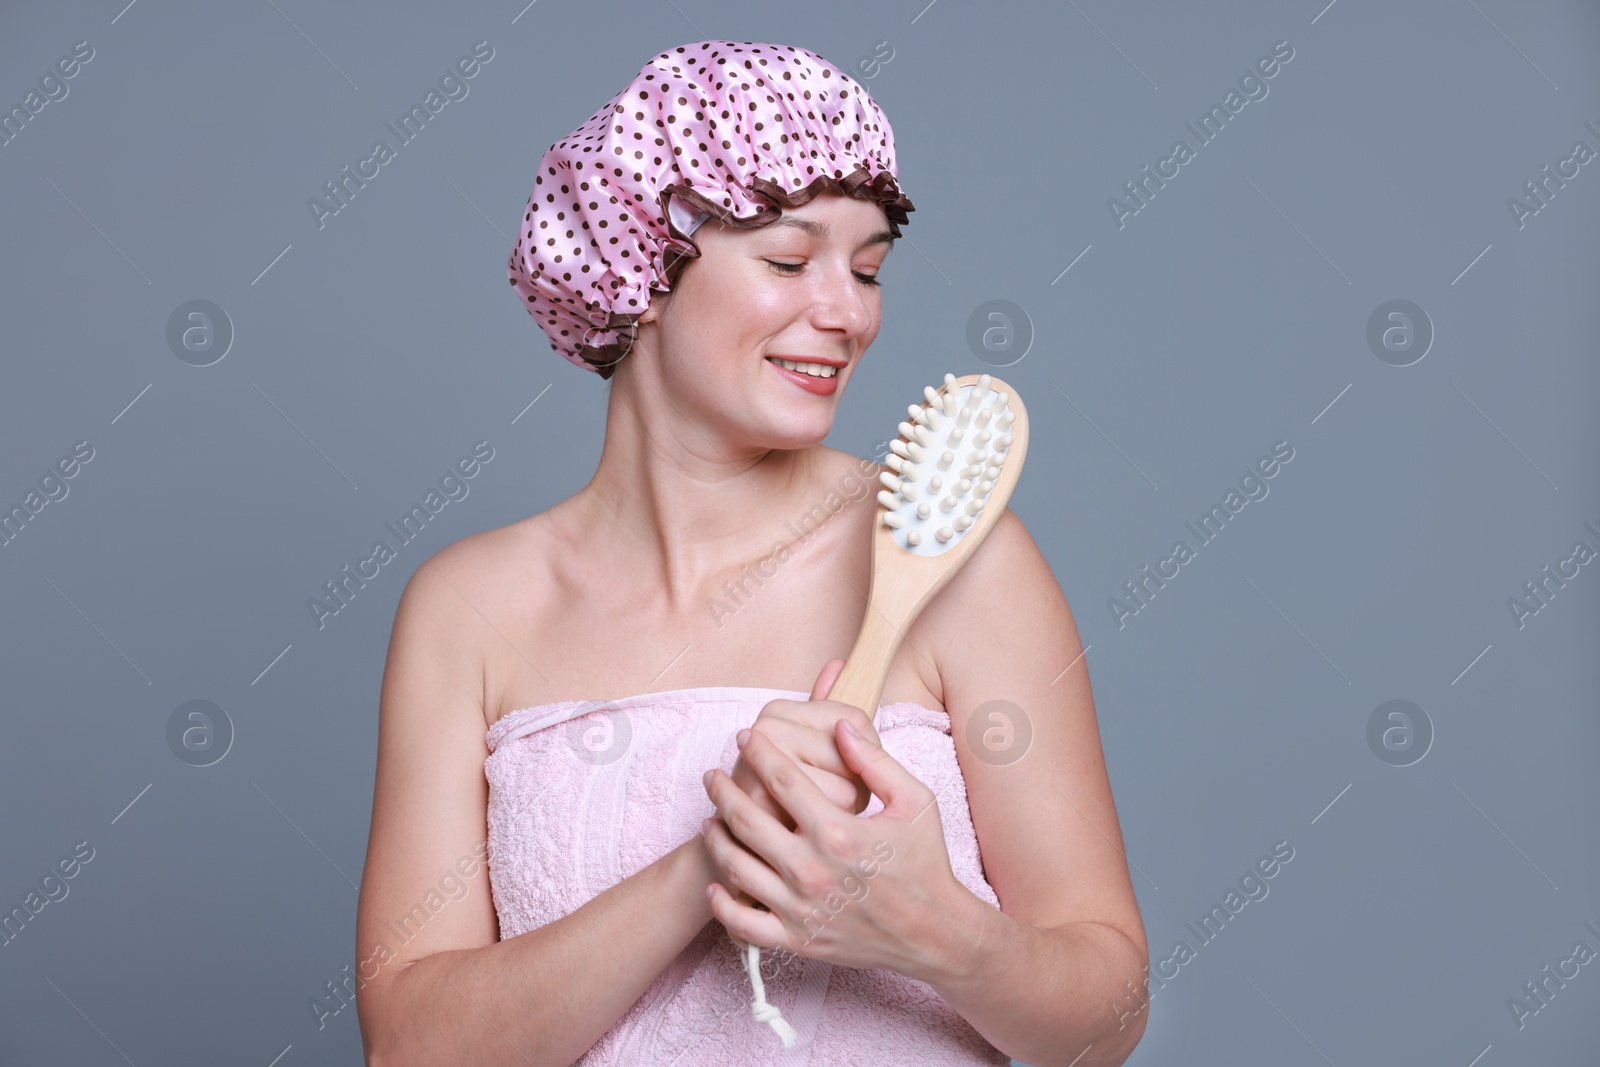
<point x="788" y="429"/>
<point x="793" y="438"/>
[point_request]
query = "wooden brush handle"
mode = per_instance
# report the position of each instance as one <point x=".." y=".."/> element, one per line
<point x="891" y="606"/>
<point x="861" y="682"/>
<point x="903" y="582"/>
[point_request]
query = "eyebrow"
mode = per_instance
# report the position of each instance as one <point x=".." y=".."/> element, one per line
<point x="821" y="230"/>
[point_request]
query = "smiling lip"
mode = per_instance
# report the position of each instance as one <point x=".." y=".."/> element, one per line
<point x="815" y="386"/>
<point x="810" y="359"/>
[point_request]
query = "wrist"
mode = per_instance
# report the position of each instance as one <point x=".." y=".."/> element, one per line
<point x="694" y="872"/>
<point x="965" y="930"/>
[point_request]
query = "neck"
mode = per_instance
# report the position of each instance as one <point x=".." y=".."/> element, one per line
<point x="678" y="495"/>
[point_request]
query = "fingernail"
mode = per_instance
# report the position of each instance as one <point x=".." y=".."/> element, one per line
<point x="705" y="826"/>
<point x="709" y="775"/>
<point x="743" y="738"/>
<point x="851" y="728"/>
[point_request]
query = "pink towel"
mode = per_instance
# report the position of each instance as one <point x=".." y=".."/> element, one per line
<point x="583" y="794"/>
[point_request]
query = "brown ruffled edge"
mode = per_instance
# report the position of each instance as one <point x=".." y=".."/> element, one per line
<point x="859" y="183"/>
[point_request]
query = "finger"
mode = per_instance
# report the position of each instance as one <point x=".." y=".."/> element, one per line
<point x="847" y="794"/>
<point x="804" y="742"/>
<point x="810" y="740"/>
<point x="745" y="778"/>
<point x="787" y="783"/>
<point x="746" y="925"/>
<point x="903" y="794"/>
<point x="804" y="729"/>
<point x="749" y="901"/>
<point x="843" y="793"/>
<point x="741" y="871"/>
<point x="826" y="677"/>
<point x="746" y="820"/>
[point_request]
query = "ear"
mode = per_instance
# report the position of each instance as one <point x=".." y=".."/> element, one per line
<point x="652" y="310"/>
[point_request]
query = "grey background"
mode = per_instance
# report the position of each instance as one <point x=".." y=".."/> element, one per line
<point x="1227" y="315"/>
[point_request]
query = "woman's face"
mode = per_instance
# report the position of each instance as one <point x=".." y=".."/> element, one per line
<point x="802" y="288"/>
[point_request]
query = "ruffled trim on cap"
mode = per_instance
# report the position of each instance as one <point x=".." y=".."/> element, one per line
<point x="859" y="183"/>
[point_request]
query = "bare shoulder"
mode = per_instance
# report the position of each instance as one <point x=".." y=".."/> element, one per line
<point x="466" y="579"/>
<point x="1006" y="586"/>
<point x="454" y="606"/>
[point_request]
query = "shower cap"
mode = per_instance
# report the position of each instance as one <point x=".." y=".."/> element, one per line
<point x="732" y="129"/>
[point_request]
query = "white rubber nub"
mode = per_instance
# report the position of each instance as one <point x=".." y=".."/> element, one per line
<point x="945" y="464"/>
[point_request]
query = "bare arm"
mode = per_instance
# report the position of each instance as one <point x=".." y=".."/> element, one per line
<point x="546" y="996"/>
<point x="1061" y="966"/>
<point x="1081" y="1003"/>
<point x="435" y="985"/>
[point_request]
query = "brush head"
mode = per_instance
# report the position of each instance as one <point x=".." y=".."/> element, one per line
<point x="945" y="465"/>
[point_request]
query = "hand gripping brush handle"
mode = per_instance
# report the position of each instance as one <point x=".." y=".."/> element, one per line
<point x="952" y="469"/>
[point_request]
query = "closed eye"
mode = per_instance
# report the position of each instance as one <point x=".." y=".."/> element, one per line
<point x="793" y="269"/>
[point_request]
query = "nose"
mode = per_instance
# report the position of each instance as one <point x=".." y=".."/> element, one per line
<point x="842" y="304"/>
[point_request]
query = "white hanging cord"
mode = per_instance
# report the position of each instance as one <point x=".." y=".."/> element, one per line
<point x="764" y="1012"/>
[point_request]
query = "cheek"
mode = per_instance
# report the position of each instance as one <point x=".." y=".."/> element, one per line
<point x="747" y="306"/>
<point x="726" y="317"/>
<point x="875" y="306"/>
<point x="761" y="294"/>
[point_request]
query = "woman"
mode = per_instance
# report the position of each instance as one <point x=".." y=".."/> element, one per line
<point x="729" y="212"/>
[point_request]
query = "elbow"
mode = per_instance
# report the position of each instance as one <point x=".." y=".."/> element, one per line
<point x="1116" y="1043"/>
<point x="375" y="1014"/>
<point x="375" y="1048"/>
<point x="397" y="1031"/>
<point x="1127" y="972"/>
<point x="1132" y="1012"/>
<point x="380" y="1049"/>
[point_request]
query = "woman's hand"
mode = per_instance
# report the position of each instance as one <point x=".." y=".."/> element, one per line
<point x="803" y="731"/>
<point x="873" y="892"/>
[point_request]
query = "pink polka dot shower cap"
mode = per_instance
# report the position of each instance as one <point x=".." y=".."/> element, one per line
<point x="735" y="130"/>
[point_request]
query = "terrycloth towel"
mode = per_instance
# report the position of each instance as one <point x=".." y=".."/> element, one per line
<point x="583" y="794"/>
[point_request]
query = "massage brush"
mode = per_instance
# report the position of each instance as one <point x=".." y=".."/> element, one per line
<point x="952" y="470"/>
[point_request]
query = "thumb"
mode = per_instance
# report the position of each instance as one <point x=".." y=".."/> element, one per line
<point x="826" y="677"/>
<point x="899" y="789"/>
